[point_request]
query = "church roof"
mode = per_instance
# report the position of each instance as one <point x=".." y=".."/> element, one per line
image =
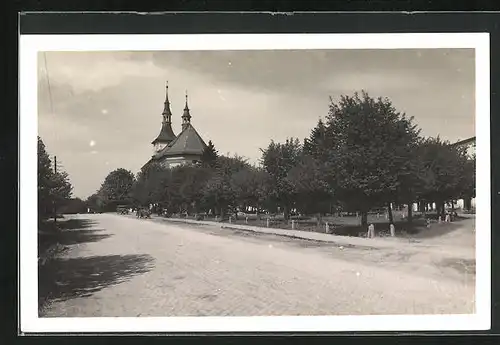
<point x="166" y="134"/>
<point x="187" y="142"/>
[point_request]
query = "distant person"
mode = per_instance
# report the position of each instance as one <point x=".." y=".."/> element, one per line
<point x="371" y="231"/>
<point x="392" y="230"/>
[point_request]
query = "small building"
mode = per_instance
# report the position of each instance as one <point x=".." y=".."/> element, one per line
<point x="469" y="143"/>
<point x="171" y="150"/>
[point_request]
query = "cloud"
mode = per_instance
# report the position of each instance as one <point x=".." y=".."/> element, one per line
<point x="300" y="70"/>
<point x="240" y="100"/>
<point x="94" y="71"/>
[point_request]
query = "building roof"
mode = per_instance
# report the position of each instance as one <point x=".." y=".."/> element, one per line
<point x="465" y="141"/>
<point x="166" y="134"/>
<point x="188" y="142"/>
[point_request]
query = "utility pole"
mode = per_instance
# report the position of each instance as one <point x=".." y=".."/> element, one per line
<point x="55" y="173"/>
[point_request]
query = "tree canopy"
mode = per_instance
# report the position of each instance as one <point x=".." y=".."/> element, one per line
<point x="117" y="188"/>
<point x="209" y="156"/>
<point x="363" y="154"/>
<point x="371" y="151"/>
<point x="278" y="159"/>
<point x="54" y="186"/>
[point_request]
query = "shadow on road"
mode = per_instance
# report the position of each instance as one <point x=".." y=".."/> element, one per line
<point x="82" y="236"/>
<point x="76" y="224"/>
<point x="63" y="279"/>
<point x="437" y="230"/>
<point x="68" y="232"/>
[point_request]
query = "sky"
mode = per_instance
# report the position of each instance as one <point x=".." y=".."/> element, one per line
<point x="99" y="111"/>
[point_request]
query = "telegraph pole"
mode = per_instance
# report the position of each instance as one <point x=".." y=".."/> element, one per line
<point x="55" y="173"/>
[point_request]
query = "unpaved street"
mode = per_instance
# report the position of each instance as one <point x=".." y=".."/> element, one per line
<point x="122" y="266"/>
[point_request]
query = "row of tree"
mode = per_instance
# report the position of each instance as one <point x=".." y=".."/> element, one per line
<point x="363" y="154"/>
<point x="54" y="187"/>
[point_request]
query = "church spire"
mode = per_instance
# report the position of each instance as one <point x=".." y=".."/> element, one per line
<point x="186" y="116"/>
<point x="167" y="114"/>
<point x="166" y="135"/>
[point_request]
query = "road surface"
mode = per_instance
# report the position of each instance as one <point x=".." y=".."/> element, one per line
<point x="122" y="266"/>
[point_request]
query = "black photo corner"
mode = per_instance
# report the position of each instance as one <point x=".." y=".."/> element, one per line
<point x="67" y="23"/>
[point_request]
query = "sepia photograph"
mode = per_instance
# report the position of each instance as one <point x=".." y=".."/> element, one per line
<point x="183" y="182"/>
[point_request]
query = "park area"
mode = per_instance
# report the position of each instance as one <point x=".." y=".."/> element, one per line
<point x="422" y="224"/>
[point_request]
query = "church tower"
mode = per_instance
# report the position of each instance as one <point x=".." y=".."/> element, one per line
<point x="172" y="150"/>
<point x="186" y="116"/>
<point x="166" y="135"/>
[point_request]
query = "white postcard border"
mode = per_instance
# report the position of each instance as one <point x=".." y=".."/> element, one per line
<point x="30" y="45"/>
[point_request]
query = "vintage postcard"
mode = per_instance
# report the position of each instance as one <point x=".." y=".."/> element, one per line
<point x="291" y="182"/>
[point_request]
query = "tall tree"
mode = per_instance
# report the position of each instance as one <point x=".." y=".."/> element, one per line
<point x="446" y="171"/>
<point x="318" y="142"/>
<point x="147" y="186"/>
<point x="54" y="187"/>
<point x="117" y="188"/>
<point x="61" y="187"/>
<point x="249" y="187"/>
<point x="185" y="187"/>
<point x="74" y="205"/>
<point x="95" y="202"/>
<point x="369" y="152"/>
<point x="312" y="193"/>
<point x="278" y="159"/>
<point x="218" y="193"/>
<point x="209" y="155"/>
<point x="44" y="181"/>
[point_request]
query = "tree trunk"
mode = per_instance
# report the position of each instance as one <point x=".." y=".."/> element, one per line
<point x="222" y="213"/>
<point x="286" y="212"/>
<point x="364" y="218"/>
<point x="389" y="212"/>
<point x="319" y="218"/>
<point x="410" y="212"/>
<point x="468" y="203"/>
<point x="440" y="209"/>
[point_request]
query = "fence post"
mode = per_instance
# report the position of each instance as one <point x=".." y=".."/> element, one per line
<point x="327" y="228"/>
<point x="267" y="222"/>
<point x="293" y="224"/>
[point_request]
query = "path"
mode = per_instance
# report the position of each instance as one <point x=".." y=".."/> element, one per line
<point x="122" y="266"/>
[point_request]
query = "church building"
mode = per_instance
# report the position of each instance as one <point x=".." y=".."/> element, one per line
<point x="172" y="150"/>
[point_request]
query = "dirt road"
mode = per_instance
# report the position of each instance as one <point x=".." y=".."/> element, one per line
<point x="122" y="266"/>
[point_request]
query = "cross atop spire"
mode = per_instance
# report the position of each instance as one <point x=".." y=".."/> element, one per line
<point x="186" y="116"/>
<point x="166" y="109"/>
<point x="186" y="107"/>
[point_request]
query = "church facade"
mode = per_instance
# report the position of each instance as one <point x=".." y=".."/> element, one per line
<point x="171" y="150"/>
